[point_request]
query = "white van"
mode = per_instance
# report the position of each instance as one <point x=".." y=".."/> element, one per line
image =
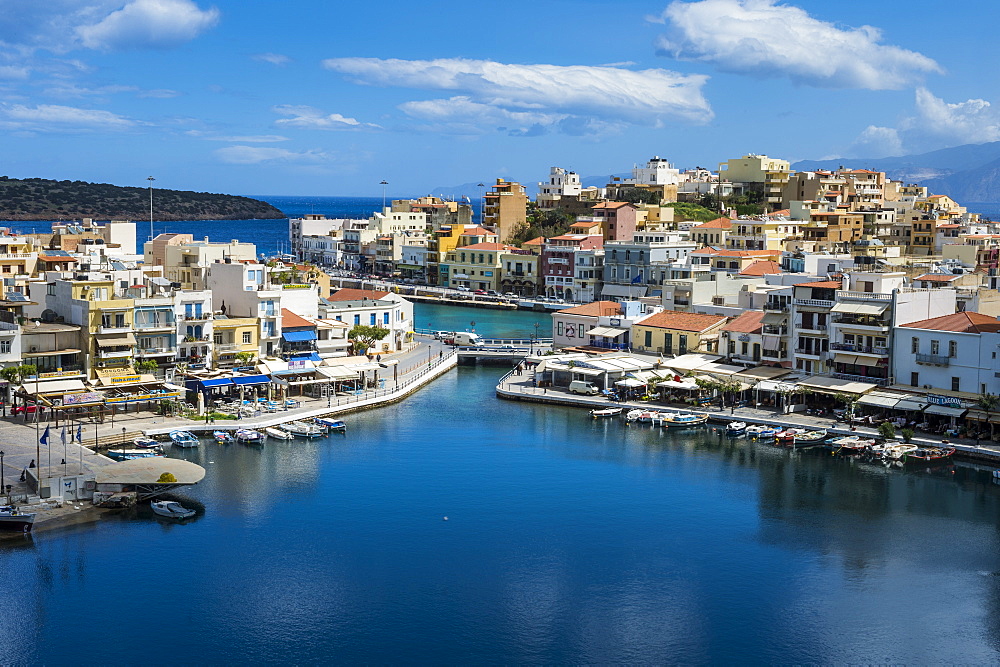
<point x="583" y="387"/>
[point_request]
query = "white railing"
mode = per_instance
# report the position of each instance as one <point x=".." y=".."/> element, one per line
<point x="820" y="303"/>
<point x="865" y="296"/>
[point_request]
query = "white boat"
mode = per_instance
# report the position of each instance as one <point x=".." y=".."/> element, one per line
<point x="303" y="429"/>
<point x="760" y="431"/>
<point x="249" y="435"/>
<point x="809" y="437"/>
<point x="332" y="424"/>
<point x="898" y="452"/>
<point x="146" y="443"/>
<point x="171" y="509"/>
<point x="597" y="413"/>
<point x="686" y="419"/>
<point x="736" y="428"/>
<point x="14" y="520"/>
<point x="123" y="454"/>
<point x="277" y="433"/>
<point x="184" y="439"/>
<point x="223" y="437"/>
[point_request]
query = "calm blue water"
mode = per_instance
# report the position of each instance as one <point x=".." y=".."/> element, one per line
<point x="568" y="541"/>
<point x="487" y="323"/>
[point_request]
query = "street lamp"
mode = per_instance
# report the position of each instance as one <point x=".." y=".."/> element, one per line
<point x="1" y="469"/>
<point x="150" y="179"/>
<point x="482" y="200"/>
<point x="383" y="184"/>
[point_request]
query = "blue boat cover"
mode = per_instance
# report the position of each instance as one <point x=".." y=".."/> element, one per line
<point x="251" y="379"/>
<point x="298" y="336"/>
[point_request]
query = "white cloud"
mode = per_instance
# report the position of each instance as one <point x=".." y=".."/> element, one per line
<point x="148" y="23"/>
<point x="258" y="139"/>
<point x="461" y="115"/>
<point x="309" y="118"/>
<point x="643" y="96"/>
<point x="764" y="38"/>
<point x="14" y="72"/>
<point x="258" y="154"/>
<point x="876" y="142"/>
<point x="55" y="118"/>
<point x="273" y="58"/>
<point x="159" y="93"/>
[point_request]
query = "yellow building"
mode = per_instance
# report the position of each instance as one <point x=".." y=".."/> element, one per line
<point x="477" y="266"/>
<point x="770" y="173"/>
<point x="676" y="332"/>
<point x="505" y="208"/>
<point x="232" y="336"/>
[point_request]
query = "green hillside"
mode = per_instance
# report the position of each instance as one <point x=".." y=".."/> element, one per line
<point x="42" y="199"/>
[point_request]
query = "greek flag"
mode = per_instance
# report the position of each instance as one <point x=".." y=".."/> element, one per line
<point x="62" y="436"/>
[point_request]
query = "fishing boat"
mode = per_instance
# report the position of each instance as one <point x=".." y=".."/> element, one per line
<point x="736" y="428"/>
<point x="14" y="520"/>
<point x="760" y="431"/>
<point x="687" y="419"/>
<point x="171" y="509"/>
<point x="223" y="437"/>
<point x="131" y="454"/>
<point x="898" y="452"/>
<point x="929" y="455"/>
<point x="853" y="445"/>
<point x="184" y="439"/>
<point x="146" y="443"/>
<point x="809" y="437"/>
<point x="277" y="433"/>
<point x="248" y="435"/>
<point x="604" y="412"/>
<point x="337" y="424"/>
<point x="787" y="436"/>
<point x="303" y="430"/>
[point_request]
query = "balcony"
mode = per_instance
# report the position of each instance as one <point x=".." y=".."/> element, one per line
<point x="775" y="306"/>
<point x="196" y="339"/>
<point x="814" y="303"/>
<point x="156" y="351"/>
<point x="114" y="354"/>
<point x="114" y="330"/>
<point x="933" y="359"/>
<point x="860" y="349"/>
<point x="814" y="329"/>
<point x="159" y="324"/>
<point x="862" y="323"/>
<point x="864" y="296"/>
<point x="774" y="354"/>
<point x="808" y="352"/>
<point x="774" y="330"/>
<point x="195" y="317"/>
<point x="882" y="382"/>
<point x="16" y="255"/>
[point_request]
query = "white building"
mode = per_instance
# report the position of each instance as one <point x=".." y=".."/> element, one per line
<point x="561" y="184"/>
<point x="952" y="353"/>
<point x="241" y="289"/>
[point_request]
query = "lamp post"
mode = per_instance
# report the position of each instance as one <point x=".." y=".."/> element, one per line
<point x="1" y="469"/>
<point x="482" y="200"/>
<point x="536" y="333"/>
<point x="150" y="179"/>
<point x="383" y="184"/>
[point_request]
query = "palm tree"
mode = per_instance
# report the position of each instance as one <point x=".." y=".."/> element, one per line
<point x="987" y="403"/>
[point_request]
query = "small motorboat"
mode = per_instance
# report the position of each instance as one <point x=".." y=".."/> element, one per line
<point x="123" y="454"/>
<point x="330" y="423"/>
<point x="223" y="437"/>
<point x="787" y="436"/>
<point x="680" y="419"/>
<point x="146" y="443"/>
<point x="853" y="445"/>
<point x="277" y="433"/>
<point x="898" y="452"/>
<point x="171" y="509"/>
<point x="14" y="520"/>
<point x="929" y="455"/>
<point x="809" y="437"/>
<point x="184" y="439"/>
<point x="736" y="428"/>
<point x="598" y="413"/>
<point x="303" y="429"/>
<point x="248" y="435"/>
<point x="760" y="431"/>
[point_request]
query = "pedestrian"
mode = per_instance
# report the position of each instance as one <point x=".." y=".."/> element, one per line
<point x="378" y="358"/>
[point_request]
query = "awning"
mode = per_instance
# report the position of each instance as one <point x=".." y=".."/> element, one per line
<point x="216" y="382"/>
<point x="881" y="399"/>
<point x="51" y="353"/>
<point x="910" y="405"/>
<point x="773" y="318"/>
<point x="829" y="385"/>
<point x="980" y="416"/>
<point x="761" y="373"/>
<point x="860" y="308"/>
<point x="305" y="356"/>
<point x="771" y="342"/>
<point x="129" y="379"/>
<point x="630" y="382"/>
<point x="721" y="370"/>
<point x="946" y="410"/>
<point x="53" y="387"/>
<point x="251" y="379"/>
<point x="162" y="282"/>
<point x="673" y="384"/>
<point x="113" y="341"/>
<point x="337" y="373"/>
<point x="867" y="361"/>
<point x="607" y="332"/>
<point x="633" y="291"/>
<point x="298" y="336"/>
<point x="768" y="385"/>
<point x="849" y="359"/>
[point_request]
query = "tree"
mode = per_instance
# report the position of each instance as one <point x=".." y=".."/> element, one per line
<point x="244" y="358"/>
<point x="147" y="366"/>
<point x="365" y="336"/>
<point x="887" y="430"/>
<point x="988" y="403"/>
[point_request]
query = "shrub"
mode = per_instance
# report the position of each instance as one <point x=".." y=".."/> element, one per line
<point x="887" y="430"/>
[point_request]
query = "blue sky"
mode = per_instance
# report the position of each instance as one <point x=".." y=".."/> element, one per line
<point x="306" y="97"/>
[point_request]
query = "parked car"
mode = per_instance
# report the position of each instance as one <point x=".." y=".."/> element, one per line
<point x="462" y="288"/>
<point x="480" y="292"/>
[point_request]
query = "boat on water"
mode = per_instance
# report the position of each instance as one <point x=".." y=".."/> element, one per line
<point x="928" y="455"/>
<point x="897" y="452"/>
<point x="598" y="413"/>
<point x="184" y="439"/>
<point x="171" y="509"/>
<point x="249" y="435"/>
<point x="223" y="437"/>
<point x="809" y="437"/>
<point x="736" y="428"/>
<point x="146" y="443"/>
<point x="854" y="445"/>
<point x="686" y="419"/>
<point x="335" y="424"/>
<point x="123" y="454"/>
<point x="760" y="431"/>
<point x="303" y="430"/>
<point x="14" y="520"/>
<point x="277" y="433"/>
<point x="787" y="436"/>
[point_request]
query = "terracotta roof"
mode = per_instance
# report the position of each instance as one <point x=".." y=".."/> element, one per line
<point x="829" y="284"/>
<point x="351" y="294"/>
<point x="750" y="321"/>
<point x="762" y="267"/>
<point x="967" y="322"/>
<point x="586" y="225"/>
<point x="950" y="225"/>
<point x="495" y="247"/>
<point x="718" y="223"/>
<point x="595" y="309"/>
<point x="538" y="240"/>
<point x="613" y="204"/>
<point x="290" y="320"/>
<point x="784" y="211"/>
<point x="675" y="319"/>
<point x="477" y="230"/>
<point x="937" y="277"/>
<point x="725" y="252"/>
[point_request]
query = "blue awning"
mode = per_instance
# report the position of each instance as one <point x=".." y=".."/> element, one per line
<point x="298" y="336"/>
<point x="309" y="356"/>
<point x="251" y="379"/>
<point x="202" y="385"/>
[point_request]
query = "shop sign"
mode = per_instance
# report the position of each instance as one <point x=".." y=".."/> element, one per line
<point x="944" y="400"/>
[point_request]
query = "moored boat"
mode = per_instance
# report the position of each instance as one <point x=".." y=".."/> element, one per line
<point x="302" y="429"/>
<point x="760" y="431"/>
<point x="277" y="433"/>
<point x="13" y="519"/>
<point x="249" y="435"/>
<point x="928" y="455"/>
<point x="123" y="454"/>
<point x="605" y="412"/>
<point x="787" y="436"/>
<point x="171" y="509"/>
<point x="736" y="428"/>
<point x="852" y="445"/>
<point x="809" y="437"/>
<point x="330" y="423"/>
<point x="223" y="437"/>
<point x="687" y="419"/>
<point x="146" y="443"/>
<point x="897" y="452"/>
<point x="184" y="439"/>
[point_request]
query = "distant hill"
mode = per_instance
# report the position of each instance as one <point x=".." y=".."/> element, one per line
<point x="42" y="199"/>
<point x="968" y="173"/>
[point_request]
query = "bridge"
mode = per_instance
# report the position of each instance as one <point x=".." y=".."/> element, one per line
<point x="502" y="351"/>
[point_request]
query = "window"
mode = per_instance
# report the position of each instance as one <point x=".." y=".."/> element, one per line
<point x="372" y="319"/>
<point x="357" y="320"/>
<point x="668" y="343"/>
<point x="559" y="328"/>
<point x="682" y="346"/>
<point x="217" y="338"/>
<point x="955" y="383"/>
<point x="5" y="346"/>
<point x="935" y="347"/>
<point x="247" y="337"/>
<point x="385" y="318"/>
<point x="952" y="348"/>
<point x="51" y="289"/>
<point x="914" y="379"/>
<point x="649" y="338"/>
<point x="914" y="345"/>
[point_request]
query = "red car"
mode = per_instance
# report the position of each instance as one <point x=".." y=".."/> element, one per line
<point x="480" y="291"/>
